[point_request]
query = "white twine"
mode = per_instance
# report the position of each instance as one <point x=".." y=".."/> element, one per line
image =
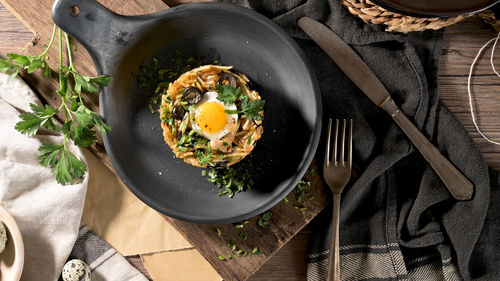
<point x="470" y="78"/>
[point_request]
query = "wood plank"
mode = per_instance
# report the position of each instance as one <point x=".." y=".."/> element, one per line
<point x="462" y="42"/>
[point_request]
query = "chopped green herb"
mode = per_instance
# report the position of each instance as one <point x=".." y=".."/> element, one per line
<point x="233" y="180"/>
<point x="222" y="258"/>
<point x="301" y="189"/>
<point x="255" y="251"/>
<point x="312" y="198"/>
<point x="239" y="225"/>
<point x="314" y="172"/>
<point x="203" y="173"/>
<point x="303" y="209"/>
<point x="222" y="193"/>
<point x="285" y="199"/>
<point x="229" y="256"/>
<point x="243" y="236"/>
<point x="219" y="233"/>
<point x="266" y="217"/>
<point x="205" y="157"/>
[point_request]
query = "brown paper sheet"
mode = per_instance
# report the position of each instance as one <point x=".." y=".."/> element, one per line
<point x="183" y="265"/>
<point x="120" y="218"/>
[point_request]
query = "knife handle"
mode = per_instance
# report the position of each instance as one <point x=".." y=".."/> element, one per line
<point x="456" y="183"/>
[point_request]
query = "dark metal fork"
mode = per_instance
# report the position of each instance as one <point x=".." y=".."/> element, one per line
<point x="337" y="173"/>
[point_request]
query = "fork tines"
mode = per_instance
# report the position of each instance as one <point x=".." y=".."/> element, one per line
<point x="340" y="157"/>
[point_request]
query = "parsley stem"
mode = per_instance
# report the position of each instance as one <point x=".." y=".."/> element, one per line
<point x="70" y="54"/>
<point x="50" y="43"/>
<point x="59" y="35"/>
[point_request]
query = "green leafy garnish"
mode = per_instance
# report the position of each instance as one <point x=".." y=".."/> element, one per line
<point x="233" y="180"/>
<point x="205" y="156"/>
<point x="266" y="218"/>
<point x="66" y="168"/>
<point x="301" y="189"/>
<point x="235" y="249"/>
<point x="79" y="121"/>
<point x="314" y="172"/>
<point x="156" y="74"/>
<point x="39" y="117"/>
<point x="251" y="109"/>
<point x="227" y="94"/>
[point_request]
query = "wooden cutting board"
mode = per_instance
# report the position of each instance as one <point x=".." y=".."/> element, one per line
<point x="288" y="218"/>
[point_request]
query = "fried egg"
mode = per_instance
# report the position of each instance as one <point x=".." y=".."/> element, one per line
<point x="210" y="117"/>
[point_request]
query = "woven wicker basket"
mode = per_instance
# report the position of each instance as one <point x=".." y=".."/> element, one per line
<point x="371" y="13"/>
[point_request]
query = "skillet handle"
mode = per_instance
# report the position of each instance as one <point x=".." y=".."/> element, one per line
<point x="97" y="28"/>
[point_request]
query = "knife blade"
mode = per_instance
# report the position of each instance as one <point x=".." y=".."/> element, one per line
<point x="366" y="80"/>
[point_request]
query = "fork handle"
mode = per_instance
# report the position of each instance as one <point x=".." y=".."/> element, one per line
<point x="456" y="183"/>
<point x="334" y="256"/>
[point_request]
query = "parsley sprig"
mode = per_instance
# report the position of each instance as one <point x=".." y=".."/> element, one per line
<point x="79" y="121"/>
<point x="228" y="95"/>
<point x="251" y="109"/>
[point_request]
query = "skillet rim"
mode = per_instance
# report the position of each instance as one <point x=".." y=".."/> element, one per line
<point x="310" y="149"/>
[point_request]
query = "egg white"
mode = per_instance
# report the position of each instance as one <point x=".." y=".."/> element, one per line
<point x="212" y="97"/>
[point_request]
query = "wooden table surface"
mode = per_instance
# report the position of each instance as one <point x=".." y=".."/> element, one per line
<point x="461" y="45"/>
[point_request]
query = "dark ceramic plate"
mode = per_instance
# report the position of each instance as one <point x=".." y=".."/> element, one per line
<point x="435" y="8"/>
<point x="235" y="36"/>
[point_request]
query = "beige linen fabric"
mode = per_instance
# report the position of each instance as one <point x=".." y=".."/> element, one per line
<point x="47" y="213"/>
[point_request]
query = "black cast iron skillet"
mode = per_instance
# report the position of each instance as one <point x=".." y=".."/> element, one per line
<point x="236" y="36"/>
<point x="435" y="8"/>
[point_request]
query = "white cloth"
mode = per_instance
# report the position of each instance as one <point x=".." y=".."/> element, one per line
<point x="47" y="213"/>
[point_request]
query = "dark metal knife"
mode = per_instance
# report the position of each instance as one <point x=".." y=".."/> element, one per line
<point x="357" y="70"/>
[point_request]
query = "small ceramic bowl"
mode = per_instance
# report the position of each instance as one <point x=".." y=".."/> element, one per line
<point x="12" y="258"/>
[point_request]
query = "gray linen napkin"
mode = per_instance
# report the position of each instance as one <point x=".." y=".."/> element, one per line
<point x="105" y="263"/>
<point x="398" y="221"/>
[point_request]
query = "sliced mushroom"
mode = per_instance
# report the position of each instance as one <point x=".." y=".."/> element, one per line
<point x="178" y="112"/>
<point x="231" y="80"/>
<point x="192" y="95"/>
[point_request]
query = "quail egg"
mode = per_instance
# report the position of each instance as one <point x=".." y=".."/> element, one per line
<point x="3" y="237"/>
<point x="76" y="270"/>
<point x="211" y="119"/>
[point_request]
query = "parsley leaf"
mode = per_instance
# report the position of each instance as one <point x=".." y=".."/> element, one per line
<point x="89" y="118"/>
<point x="227" y="94"/>
<point x="66" y="168"/>
<point x="32" y="121"/>
<point x="81" y="135"/>
<point x="89" y="84"/>
<point x="251" y="109"/>
<point x="29" y="63"/>
<point x="6" y="65"/>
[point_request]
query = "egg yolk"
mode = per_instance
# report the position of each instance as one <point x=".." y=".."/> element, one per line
<point x="211" y="117"/>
